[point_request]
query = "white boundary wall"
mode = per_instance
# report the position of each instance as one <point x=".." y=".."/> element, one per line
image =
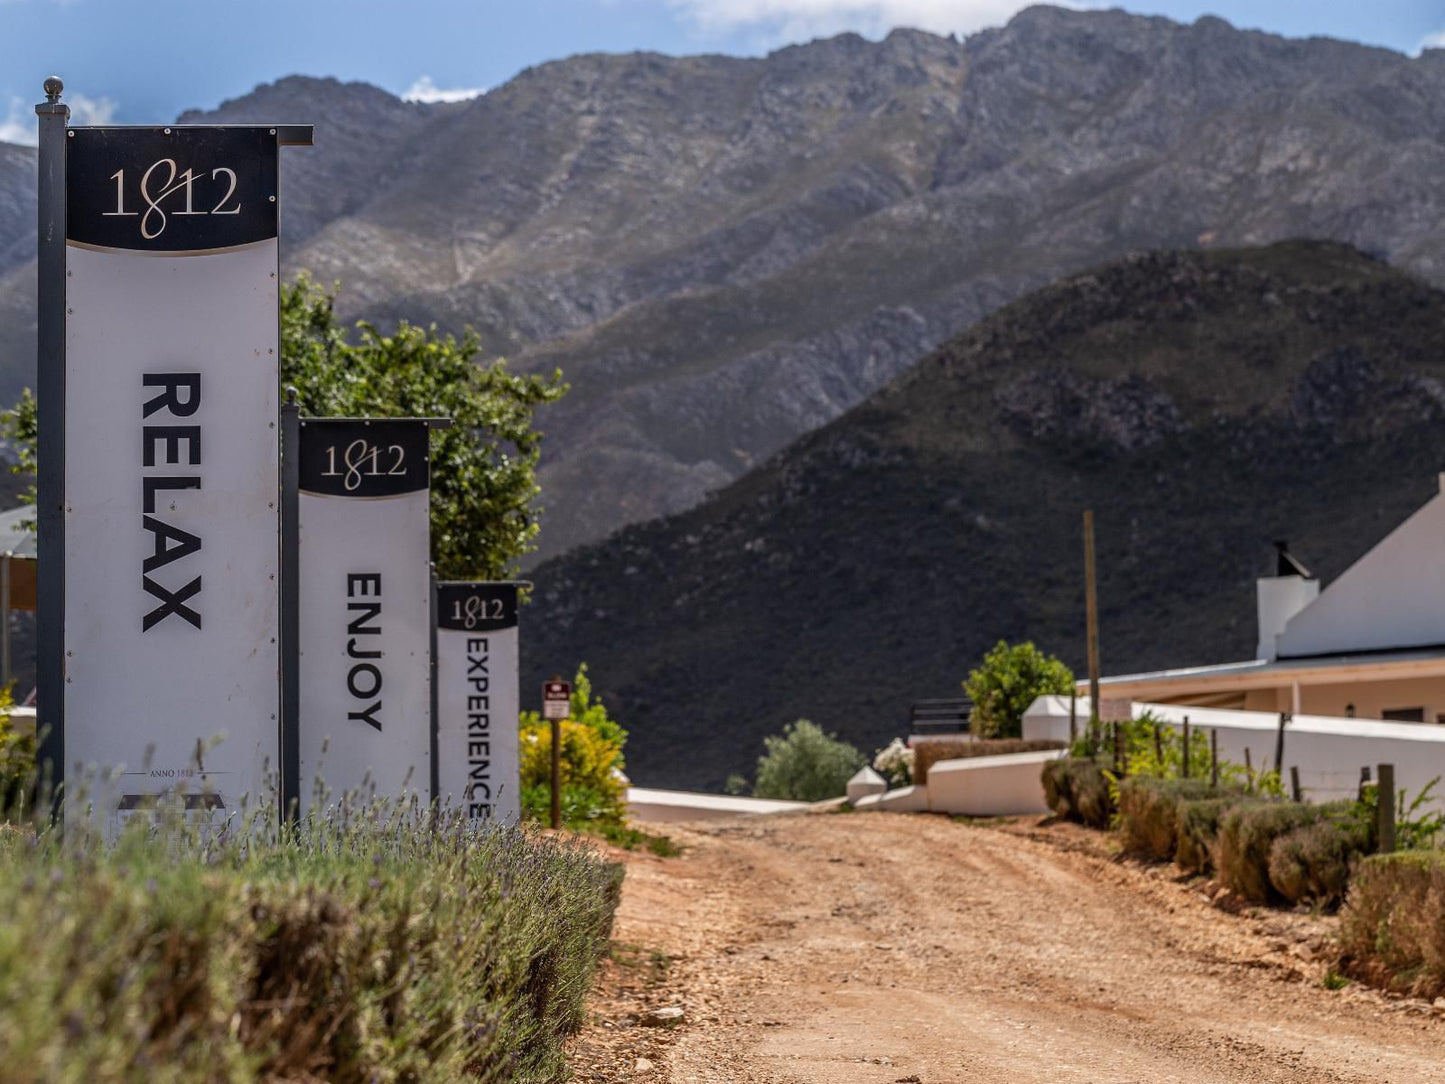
<point x="1329" y="752"/>
<point x="1009" y="785"/>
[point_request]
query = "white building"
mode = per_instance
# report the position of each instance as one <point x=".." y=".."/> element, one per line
<point x="1370" y="645"/>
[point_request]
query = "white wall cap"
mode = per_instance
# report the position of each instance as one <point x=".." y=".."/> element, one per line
<point x="710" y="802"/>
<point x="983" y="764"/>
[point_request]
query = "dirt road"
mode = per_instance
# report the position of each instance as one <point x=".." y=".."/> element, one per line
<point x="883" y="948"/>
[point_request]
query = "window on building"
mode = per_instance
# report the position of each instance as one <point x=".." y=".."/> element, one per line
<point x="1403" y="715"/>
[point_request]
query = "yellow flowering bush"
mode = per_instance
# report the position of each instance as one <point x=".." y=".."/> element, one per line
<point x="593" y="788"/>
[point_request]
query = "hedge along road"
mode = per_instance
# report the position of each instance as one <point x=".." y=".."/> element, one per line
<point x="882" y="948"/>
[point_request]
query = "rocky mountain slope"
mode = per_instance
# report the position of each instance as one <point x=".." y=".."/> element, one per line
<point x="1203" y="404"/>
<point x="725" y="253"/>
<point x="17" y="206"/>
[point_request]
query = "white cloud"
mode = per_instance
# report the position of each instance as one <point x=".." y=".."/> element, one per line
<point x="19" y="125"/>
<point x="791" y="20"/>
<point x="1431" y="41"/>
<point x="424" y="90"/>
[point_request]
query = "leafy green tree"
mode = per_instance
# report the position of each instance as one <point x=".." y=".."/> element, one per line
<point x="1009" y="679"/>
<point x="805" y="765"/>
<point x="19" y="427"/>
<point x="483" y="468"/>
<point x="484" y="485"/>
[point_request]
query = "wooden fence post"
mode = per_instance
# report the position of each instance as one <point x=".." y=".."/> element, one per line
<point x="1385" y="827"/>
<point x="1158" y="747"/>
<point x="1284" y="717"/>
<point x="1248" y="772"/>
<point x="1294" y="782"/>
<point x="1185" y="771"/>
<point x="1073" y="719"/>
<point x="1214" y="757"/>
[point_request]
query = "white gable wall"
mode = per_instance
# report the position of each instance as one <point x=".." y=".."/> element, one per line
<point x="1279" y="599"/>
<point x="1392" y="597"/>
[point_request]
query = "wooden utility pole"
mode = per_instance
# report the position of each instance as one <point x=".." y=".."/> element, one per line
<point x="1091" y="608"/>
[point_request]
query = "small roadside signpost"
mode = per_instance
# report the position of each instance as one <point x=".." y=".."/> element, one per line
<point x="556" y="706"/>
<point x="478" y="701"/>
<point x="158" y="370"/>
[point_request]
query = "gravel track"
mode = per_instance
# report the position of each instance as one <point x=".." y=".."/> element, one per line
<point x="885" y="948"/>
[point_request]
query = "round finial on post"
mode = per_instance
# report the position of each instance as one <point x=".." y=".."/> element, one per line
<point x="54" y="88"/>
<point x="291" y="394"/>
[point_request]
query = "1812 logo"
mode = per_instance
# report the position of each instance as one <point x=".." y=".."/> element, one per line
<point x="163" y="180"/>
<point x="362" y="459"/>
<point x="474" y="609"/>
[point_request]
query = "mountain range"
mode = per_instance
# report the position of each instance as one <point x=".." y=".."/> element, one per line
<point x="723" y="254"/>
<point x="1201" y="404"/>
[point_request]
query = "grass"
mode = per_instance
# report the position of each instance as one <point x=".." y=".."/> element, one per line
<point x="376" y="944"/>
<point x="630" y="839"/>
<point x="654" y="964"/>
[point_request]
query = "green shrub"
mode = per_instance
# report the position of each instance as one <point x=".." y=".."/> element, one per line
<point x="371" y="947"/>
<point x="1149" y="812"/>
<point x="1417" y="823"/>
<point x="1392" y="927"/>
<point x="1077" y="789"/>
<point x="930" y="751"/>
<point x="1197" y="823"/>
<point x="1246" y="835"/>
<point x="805" y="765"/>
<point x="17" y="761"/>
<point x="1006" y="682"/>
<point x="1313" y="862"/>
<point x="1055" y="777"/>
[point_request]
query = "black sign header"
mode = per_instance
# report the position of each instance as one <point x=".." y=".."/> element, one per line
<point x="477" y="607"/>
<point x="351" y="457"/>
<point x="177" y="190"/>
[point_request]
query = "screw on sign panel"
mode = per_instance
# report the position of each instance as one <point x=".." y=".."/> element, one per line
<point x="556" y="699"/>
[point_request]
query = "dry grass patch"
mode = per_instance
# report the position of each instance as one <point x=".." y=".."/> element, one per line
<point x="1392" y="928"/>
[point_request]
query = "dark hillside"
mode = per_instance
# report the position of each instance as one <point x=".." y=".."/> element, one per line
<point x="1202" y="404"/>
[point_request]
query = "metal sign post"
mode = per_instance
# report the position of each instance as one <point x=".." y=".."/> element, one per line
<point x="478" y="701"/>
<point x="556" y="706"/>
<point x="50" y="416"/>
<point x="364" y="573"/>
<point x="158" y="653"/>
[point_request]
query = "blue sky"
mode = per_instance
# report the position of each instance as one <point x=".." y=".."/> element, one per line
<point x="143" y="61"/>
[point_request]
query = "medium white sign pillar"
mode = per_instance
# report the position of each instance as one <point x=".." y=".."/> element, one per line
<point x="365" y="608"/>
<point x="478" y="705"/>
